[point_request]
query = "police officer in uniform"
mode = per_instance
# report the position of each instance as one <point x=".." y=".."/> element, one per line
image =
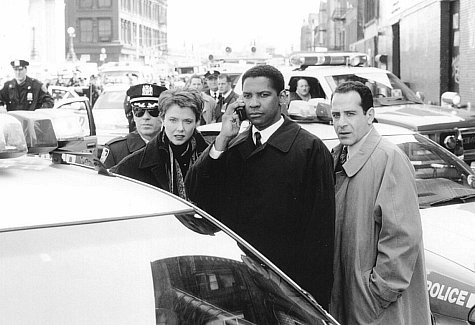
<point x="144" y="105"/>
<point x="23" y="92"/>
<point x="212" y="83"/>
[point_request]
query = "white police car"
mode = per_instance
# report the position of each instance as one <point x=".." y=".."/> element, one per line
<point x="85" y="247"/>
<point x="446" y="189"/>
<point x="395" y="102"/>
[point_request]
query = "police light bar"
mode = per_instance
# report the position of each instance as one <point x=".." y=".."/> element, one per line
<point x="12" y="139"/>
<point x="315" y="110"/>
<point x="340" y="58"/>
<point x="38" y="131"/>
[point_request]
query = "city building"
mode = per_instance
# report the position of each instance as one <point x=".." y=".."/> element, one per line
<point x="37" y="36"/>
<point x="429" y="44"/>
<point x="125" y="30"/>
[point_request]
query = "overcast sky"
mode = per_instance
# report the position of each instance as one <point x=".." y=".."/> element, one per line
<point x="205" y="24"/>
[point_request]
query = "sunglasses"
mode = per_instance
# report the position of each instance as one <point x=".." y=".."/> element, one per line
<point x="151" y="107"/>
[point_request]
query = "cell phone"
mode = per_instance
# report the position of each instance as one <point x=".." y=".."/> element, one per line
<point x="241" y="113"/>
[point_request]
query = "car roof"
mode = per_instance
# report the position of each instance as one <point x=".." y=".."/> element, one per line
<point x="34" y="193"/>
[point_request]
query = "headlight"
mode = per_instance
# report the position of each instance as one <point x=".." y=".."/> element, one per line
<point x="471" y="316"/>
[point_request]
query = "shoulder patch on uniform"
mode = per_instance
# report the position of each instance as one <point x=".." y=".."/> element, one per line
<point x="104" y="154"/>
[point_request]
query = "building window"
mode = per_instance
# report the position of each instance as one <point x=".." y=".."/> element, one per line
<point x="105" y="29"/>
<point x="104" y="3"/>
<point x="85" y="3"/>
<point x="371" y="10"/>
<point x="85" y="30"/>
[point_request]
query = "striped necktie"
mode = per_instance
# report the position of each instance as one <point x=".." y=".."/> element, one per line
<point x="343" y="155"/>
<point x="258" y="139"/>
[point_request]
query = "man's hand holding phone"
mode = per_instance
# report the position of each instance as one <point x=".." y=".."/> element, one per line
<point x="230" y="124"/>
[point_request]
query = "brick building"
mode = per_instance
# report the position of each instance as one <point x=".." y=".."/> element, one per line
<point x="429" y="44"/>
<point x="124" y="30"/>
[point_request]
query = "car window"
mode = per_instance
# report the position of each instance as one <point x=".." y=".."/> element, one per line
<point x="387" y="89"/>
<point x="316" y="90"/>
<point x="441" y="177"/>
<point x="173" y="269"/>
<point x="79" y="108"/>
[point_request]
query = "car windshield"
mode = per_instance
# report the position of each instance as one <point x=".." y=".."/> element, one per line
<point x="111" y="100"/>
<point x="441" y="177"/>
<point x="387" y="89"/>
<point x="169" y="269"/>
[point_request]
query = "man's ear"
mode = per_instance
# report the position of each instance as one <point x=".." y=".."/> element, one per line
<point x="283" y="97"/>
<point x="370" y="115"/>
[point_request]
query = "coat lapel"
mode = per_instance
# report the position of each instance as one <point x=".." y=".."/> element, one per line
<point x="153" y="159"/>
<point x="135" y="142"/>
<point x="357" y="160"/>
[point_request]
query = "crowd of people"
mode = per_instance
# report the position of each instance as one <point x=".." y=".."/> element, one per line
<point x="344" y="224"/>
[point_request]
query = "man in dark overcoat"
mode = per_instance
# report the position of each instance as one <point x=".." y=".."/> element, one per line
<point x="272" y="184"/>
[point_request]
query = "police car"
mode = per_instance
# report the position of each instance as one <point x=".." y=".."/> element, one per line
<point x="82" y="246"/>
<point x="446" y="189"/>
<point x="395" y="102"/>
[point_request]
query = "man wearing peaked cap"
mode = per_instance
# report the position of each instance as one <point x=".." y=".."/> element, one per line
<point x="212" y="83"/>
<point x="136" y="92"/>
<point x="23" y="92"/>
<point x="144" y="113"/>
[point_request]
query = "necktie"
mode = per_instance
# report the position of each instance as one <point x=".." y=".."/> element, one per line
<point x="258" y="139"/>
<point x="343" y="155"/>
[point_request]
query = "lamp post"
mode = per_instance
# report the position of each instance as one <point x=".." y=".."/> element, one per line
<point x="71" y="55"/>
<point x="103" y="55"/>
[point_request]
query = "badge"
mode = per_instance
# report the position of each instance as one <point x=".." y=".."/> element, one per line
<point x="147" y="90"/>
<point x="104" y="154"/>
<point x="29" y="96"/>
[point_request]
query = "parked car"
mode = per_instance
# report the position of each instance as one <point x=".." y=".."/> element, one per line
<point x="109" y="113"/>
<point x="446" y="190"/>
<point x="82" y="247"/>
<point x="395" y="103"/>
<point x="124" y="73"/>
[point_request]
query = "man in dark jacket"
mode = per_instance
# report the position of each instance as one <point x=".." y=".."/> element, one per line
<point x="23" y="92"/>
<point x="144" y="106"/>
<point x="226" y="96"/>
<point x="272" y="184"/>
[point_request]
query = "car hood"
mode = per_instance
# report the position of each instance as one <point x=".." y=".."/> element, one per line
<point x="449" y="231"/>
<point x="422" y="117"/>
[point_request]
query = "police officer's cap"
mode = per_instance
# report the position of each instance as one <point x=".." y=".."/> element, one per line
<point x="19" y="63"/>
<point x="212" y="74"/>
<point x="144" y="92"/>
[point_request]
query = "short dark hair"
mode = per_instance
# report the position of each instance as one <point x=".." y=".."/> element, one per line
<point x="195" y="76"/>
<point x="275" y="76"/>
<point x="362" y="90"/>
<point x="225" y="76"/>
<point x="182" y="97"/>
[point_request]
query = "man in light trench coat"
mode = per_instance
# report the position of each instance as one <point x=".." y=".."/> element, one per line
<point x="379" y="272"/>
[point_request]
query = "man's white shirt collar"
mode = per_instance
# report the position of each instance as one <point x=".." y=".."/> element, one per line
<point x="267" y="132"/>
<point x="226" y="94"/>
